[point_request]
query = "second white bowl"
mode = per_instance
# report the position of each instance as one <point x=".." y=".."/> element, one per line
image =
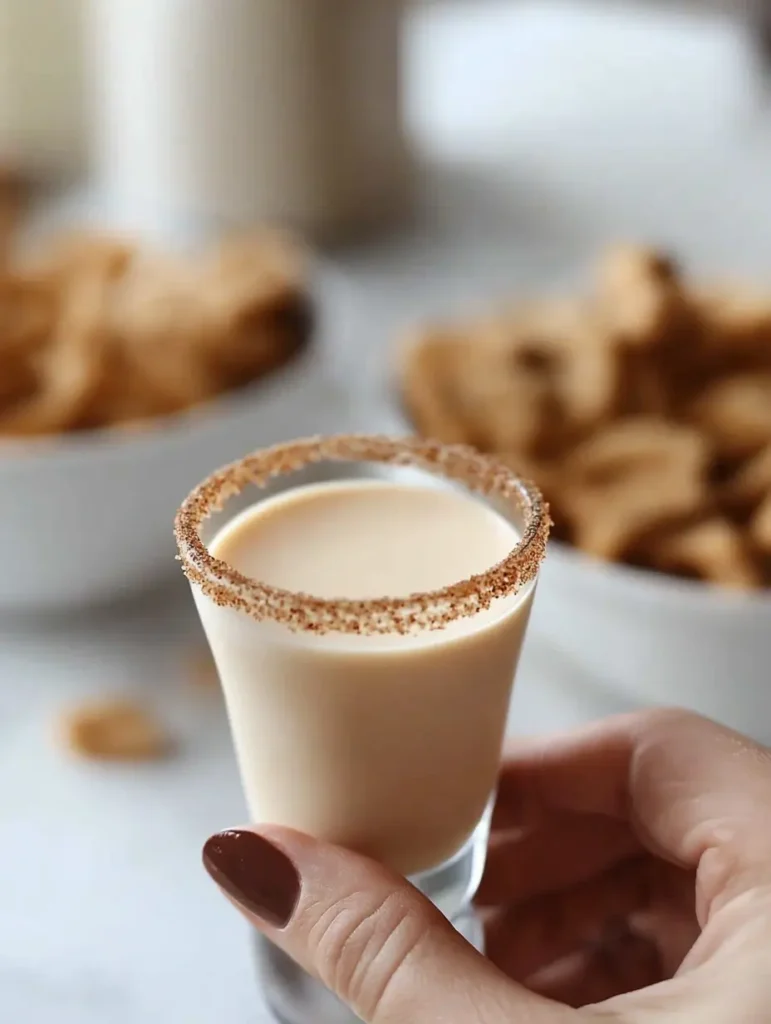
<point x="661" y="640"/>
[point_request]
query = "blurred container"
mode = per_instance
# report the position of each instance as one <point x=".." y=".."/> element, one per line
<point x="238" y="111"/>
<point x="657" y="639"/>
<point x="42" y="98"/>
<point x="87" y="518"/>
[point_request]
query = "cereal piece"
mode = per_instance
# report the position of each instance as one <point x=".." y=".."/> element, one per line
<point x="249" y="276"/>
<point x="610" y="523"/>
<point x="624" y="264"/>
<point x="68" y="256"/>
<point x="736" y="414"/>
<point x="711" y="550"/>
<point x="640" y="294"/>
<point x="760" y="527"/>
<point x="259" y="342"/>
<point x="507" y="406"/>
<point x="73" y="367"/>
<point x="585" y="389"/>
<point x="644" y="304"/>
<point x="575" y="356"/>
<point x="738" y="318"/>
<point x="428" y="387"/>
<point x="638" y="446"/>
<point x="29" y="309"/>
<point x="18" y="380"/>
<point x="115" y="730"/>
<point x="752" y="482"/>
<point x="28" y="312"/>
<point x="632" y="479"/>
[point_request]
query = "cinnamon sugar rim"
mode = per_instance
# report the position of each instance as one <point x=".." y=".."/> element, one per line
<point x="434" y="609"/>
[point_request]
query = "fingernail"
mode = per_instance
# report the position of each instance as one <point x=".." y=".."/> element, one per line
<point x="255" y="873"/>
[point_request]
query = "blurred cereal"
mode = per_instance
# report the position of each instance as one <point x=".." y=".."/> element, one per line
<point x="114" y="730"/>
<point x="99" y="332"/>
<point x="642" y="409"/>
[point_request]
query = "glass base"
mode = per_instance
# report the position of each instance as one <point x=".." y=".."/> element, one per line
<point x="295" y="998"/>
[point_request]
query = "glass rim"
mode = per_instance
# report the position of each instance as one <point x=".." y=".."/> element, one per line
<point x="429" y="610"/>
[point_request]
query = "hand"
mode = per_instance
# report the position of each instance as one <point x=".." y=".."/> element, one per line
<point x="629" y="873"/>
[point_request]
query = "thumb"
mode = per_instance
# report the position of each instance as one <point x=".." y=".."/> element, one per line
<point x="366" y="933"/>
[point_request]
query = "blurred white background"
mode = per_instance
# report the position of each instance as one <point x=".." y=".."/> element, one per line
<point x="544" y="130"/>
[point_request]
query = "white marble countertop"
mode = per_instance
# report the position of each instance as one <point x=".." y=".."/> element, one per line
<point x="546" y="131"/>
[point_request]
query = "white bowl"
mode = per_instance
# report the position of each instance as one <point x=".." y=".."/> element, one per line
<point x="653" y="639"/>
<point x="661" y="640"/>
<point x="88" y="518"/>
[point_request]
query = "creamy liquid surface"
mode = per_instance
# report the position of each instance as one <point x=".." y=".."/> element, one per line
<point x="365" y="539"/>
<point x="389" y="745"/>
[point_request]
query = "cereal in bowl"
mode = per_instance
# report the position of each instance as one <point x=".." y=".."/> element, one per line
<point x="643" y="410"/>
<point x="100" y="332"/>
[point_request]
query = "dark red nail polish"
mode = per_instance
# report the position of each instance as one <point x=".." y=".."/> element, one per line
<point x="255" y="873"/>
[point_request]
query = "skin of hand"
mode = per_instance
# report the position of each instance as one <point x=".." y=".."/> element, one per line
<point x="628" y="880"/>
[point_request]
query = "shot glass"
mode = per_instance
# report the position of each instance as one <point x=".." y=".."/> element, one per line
<point x="373" y="723"/>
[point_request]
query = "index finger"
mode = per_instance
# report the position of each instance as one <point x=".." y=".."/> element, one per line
<point x="684" y="783"/>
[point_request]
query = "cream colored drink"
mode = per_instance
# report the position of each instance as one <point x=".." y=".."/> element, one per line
<point x="388" y="744"/>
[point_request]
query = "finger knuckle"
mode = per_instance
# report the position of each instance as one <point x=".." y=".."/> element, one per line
<point x="362" y="945"/>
